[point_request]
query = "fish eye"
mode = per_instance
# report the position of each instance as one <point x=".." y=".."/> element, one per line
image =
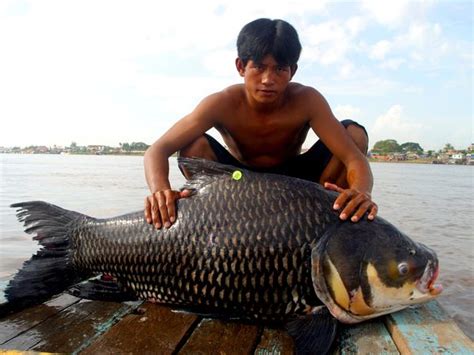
<point x="403" y="268"/>
<point x="412" y="251"/>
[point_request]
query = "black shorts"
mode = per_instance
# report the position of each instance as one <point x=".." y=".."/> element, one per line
<point x="309" y="165"/>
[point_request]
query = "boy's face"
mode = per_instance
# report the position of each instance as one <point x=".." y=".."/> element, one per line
<point x="265" y="81"/>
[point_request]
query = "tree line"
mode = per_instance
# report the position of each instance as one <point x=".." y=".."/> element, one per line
<point x="134" y="147"/>
<point x="390" y="146"/>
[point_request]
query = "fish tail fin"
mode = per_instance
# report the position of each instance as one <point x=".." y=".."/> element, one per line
<point x="50" y="271"/>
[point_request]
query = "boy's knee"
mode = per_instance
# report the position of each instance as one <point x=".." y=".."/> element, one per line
<point x="198" y="148"/>
<point x="359" y="136"/>
<point x="194" y="148"/>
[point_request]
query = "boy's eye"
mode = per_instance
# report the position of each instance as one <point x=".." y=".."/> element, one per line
<point x="283" y="68"/>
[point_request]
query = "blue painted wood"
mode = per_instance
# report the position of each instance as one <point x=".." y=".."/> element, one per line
<point x="427" y="329"/>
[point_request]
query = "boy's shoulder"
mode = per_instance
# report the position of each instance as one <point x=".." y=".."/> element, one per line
<point x="300" y="89"/>
<point x="233" y="90"/>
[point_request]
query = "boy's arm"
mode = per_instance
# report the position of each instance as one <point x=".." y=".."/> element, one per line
<point x="355" y="201"/>
<point x="160" y="205"/>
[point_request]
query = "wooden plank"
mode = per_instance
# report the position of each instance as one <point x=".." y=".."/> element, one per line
<point x="275" y="341"/>
<point x="157" y="330"/>
<point x="17" y="323"/>
<point x="213" y="336"/>
<point x="72" y="329"/>
<point x="427" y="329"/>
<point x="371" y="337"/>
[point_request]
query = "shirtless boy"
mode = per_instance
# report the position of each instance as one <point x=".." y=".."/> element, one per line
<point x="264" y="123"/>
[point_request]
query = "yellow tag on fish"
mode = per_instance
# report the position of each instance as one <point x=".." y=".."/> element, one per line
<point x="237" y="175"/>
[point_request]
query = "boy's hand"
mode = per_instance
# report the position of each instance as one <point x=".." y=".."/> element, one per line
<point x="353" y="203"/>
<point x="160" y="207"/>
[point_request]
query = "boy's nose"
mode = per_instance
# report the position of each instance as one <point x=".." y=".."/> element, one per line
<point x="268" y="77"/>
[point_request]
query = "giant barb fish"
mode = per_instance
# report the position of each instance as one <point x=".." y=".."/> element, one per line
<point x="246" y="245"/>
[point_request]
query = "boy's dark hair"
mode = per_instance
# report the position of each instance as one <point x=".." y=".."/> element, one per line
<point x="262" y="37"/>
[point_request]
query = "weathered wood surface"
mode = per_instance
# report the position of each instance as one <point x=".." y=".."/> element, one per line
<point x="371" y="337"/>
<point x="69" y="325"/>
<point x="213" y="336"/>
<point x="150" y="329"/>
<point x="70" y="329"/>
<point x="274" y="341"/>
<point x="16" y="324"/>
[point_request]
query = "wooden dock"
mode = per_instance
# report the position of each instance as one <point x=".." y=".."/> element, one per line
<point x="67" y="324"/>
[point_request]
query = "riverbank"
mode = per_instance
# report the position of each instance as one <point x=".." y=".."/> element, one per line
<point x="422" y="161"/>
<point x="141" y="153"/>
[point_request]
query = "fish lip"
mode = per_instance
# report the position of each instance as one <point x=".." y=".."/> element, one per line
<point x="426" y="283"/>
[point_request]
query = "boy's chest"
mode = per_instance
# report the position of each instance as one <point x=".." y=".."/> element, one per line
<point x="265" y="135"/>
<point x="265" y="127"/>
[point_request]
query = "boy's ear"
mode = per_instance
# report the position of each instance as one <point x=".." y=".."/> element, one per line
<point x="240" y="66"/>
<point x="293" y="69"/>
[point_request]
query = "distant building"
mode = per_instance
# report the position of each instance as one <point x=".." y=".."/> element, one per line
<point x="470" y="159"/>
<point x="96" y="149"/>
<point x="457" y="158"/>
<point x="35" y="150"/>
<point x="412" y="156"/>
<point x="397" y="157"/>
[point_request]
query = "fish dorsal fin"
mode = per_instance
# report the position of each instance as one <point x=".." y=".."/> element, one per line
<point x="205" y="171"/>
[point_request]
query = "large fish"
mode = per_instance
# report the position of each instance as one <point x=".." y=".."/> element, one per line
<point x="246" y="245"/>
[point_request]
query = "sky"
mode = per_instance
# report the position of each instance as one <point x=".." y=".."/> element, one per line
<point x="108" y="72"/>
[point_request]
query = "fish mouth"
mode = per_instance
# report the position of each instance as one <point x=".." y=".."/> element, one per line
<point x="426" y="284"/>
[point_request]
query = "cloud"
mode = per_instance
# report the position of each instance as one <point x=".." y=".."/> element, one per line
<point x="421" y="43"/>
<point x="330" y="42"/>
<point x="380" y="49"/>
<point x="346" y="112"/>
<point x="394" y="125"/>
<point x="361" y="83"/>
<point x="220" y="62"/>
<point x="386" y="12"/>
<point x="346" y="70"/>
<point x="393" y="63"/>
<point x="424" y="41"/>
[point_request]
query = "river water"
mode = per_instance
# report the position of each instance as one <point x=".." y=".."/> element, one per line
<point x="433" y="204"/>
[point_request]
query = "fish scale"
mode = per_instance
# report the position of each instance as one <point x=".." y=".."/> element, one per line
<point x="254" y="262"/>
<point x="224" y="265"/>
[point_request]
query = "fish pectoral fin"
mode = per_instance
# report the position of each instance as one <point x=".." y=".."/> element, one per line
<point x="103" y="289"/>
<point x="313" y="333"/>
